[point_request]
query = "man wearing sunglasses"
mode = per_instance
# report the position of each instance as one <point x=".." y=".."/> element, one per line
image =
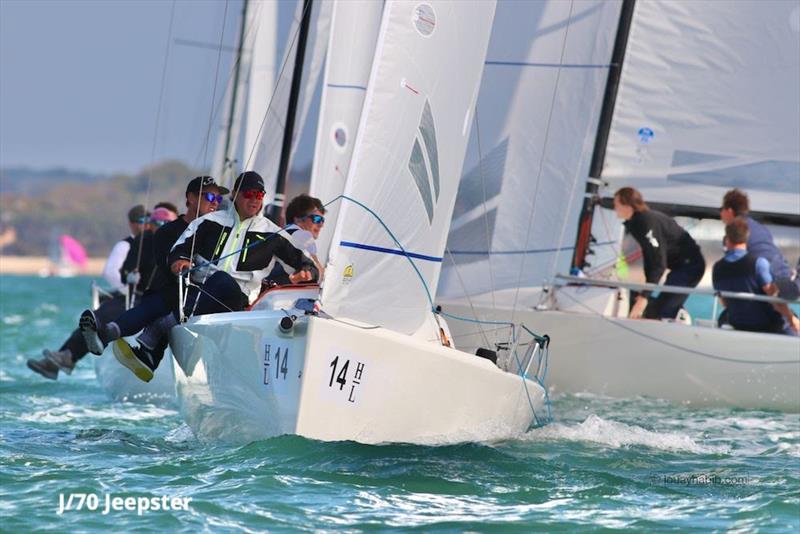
<point x="306" y="216"/>
<point x="231" y="251"/>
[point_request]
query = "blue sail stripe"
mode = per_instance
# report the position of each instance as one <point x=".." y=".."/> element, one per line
<point x="389" y="251"/>
<point x="548" y="65"/>
<point x="510" y="252"/>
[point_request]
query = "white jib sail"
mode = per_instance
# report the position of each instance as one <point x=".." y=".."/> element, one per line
<point x="264" y="157"/>
<point x="516" y="215"/>
<point x="709" y="100"/>
<point x="354" y="31"/>
<point x="263" y="19"/>
<point x="407" y="162"/>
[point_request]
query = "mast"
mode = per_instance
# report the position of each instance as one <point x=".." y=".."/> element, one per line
<point x="584" y="237"/>
<point x="275" y="210"/>
<point x="226" y="163"/>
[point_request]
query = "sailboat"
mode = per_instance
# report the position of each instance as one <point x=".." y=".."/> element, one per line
<point x="67" y="257"/>
<point x="368" y="359"/>
<point x="681" y="100"/>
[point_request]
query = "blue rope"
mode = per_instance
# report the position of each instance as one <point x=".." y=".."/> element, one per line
<point x="543" y="341"/>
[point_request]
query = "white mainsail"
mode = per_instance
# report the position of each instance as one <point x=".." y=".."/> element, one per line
<point x="264" y="156"/>
<point x="407" y="162"/>
<point x="517" y="209"/>
<point x="709" y="100"/>
<point x="354" y="30"/>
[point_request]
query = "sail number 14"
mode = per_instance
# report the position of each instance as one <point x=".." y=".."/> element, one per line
<point x="339" y="376"/>
<point x="276" y="359"/>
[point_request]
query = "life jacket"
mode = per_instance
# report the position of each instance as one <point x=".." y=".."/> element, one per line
<point x="740" y="276"/>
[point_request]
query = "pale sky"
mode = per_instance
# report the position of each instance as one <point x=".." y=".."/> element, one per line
<point x="80" y="81"/>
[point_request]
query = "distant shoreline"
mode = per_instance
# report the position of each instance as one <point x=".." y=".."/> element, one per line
<point x="41" y="264"/>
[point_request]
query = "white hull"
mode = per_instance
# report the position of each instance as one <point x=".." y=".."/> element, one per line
<point x="239" y="378"/>
<point x="595" y="352"/>
<point x="122" y="385"/>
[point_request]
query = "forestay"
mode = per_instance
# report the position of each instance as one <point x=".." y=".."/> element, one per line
<point x="708" y="100"/>
<point x="407" y="162"/>
<point x="354" y="31"/>
<point x="516" y="214"/>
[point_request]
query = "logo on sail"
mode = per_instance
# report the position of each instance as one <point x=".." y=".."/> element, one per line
<point x="347" y="276"/>
<point x="424" y="162"/>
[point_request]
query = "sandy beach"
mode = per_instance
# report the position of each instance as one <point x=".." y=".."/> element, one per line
<point x="42" y="264"/>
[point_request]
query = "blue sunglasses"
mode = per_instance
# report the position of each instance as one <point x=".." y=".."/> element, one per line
<point x="316" y="219"/>
<point x="211" y="197"/>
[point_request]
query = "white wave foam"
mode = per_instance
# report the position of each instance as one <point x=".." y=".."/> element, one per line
<point x="47" y="307"/>
<point x="181" y="434"/>
<point x="13" y="319"/>
<point x="70" y="412"/>
<point x="614" y="434"/>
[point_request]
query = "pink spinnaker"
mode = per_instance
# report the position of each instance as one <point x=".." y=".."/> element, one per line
<point x="73" y="250"/>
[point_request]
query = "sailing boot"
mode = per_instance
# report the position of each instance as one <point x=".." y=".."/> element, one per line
<point x="138" y="360"/>
<point x="95" y="333"/>
<point x="62" y="358"/>
<point x="44" y="367"/>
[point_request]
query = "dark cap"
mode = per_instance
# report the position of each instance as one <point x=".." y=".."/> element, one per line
<point x="249" y="180"/>
<point x="204" y="182"/>
<point x="137" y="214"/>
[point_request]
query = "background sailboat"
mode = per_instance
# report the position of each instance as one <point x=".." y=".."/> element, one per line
<point x="67" y="257"/>
<point x="699" y="81"/>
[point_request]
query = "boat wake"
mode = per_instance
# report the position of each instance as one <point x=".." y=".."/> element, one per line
<point x="595" y="429"/>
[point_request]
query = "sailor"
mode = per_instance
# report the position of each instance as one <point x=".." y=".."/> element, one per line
<point x="169" y="205"/>
<point x="139" y="268"/>
<point x="306" y="215"/>
<point x="203" y="196"/>
<point x="233" y="251"/>
<point x="74" y="348"/>
<point x="760" y="243"/>
<point x="665" y="245"/>
<point x="740" y="270"/>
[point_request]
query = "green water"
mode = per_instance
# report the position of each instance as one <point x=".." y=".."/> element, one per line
<point x="605" y="463"/>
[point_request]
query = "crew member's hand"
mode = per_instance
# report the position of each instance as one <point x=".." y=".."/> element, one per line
<point x="180" y="265"/>
<point x="133" y="278"/>
<point x="300" y="276"/>
<point x="795" y="324"/>
<point x="638" y="307"/>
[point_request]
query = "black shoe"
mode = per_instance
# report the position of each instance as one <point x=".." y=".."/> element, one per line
<point x="138" y="359"/>
<point x="44" y="367"/>
<point x="88" y="326"/>
<point x="62" y="359"/>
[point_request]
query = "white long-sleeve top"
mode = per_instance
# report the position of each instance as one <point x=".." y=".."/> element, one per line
<point x="114" y="263"/>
